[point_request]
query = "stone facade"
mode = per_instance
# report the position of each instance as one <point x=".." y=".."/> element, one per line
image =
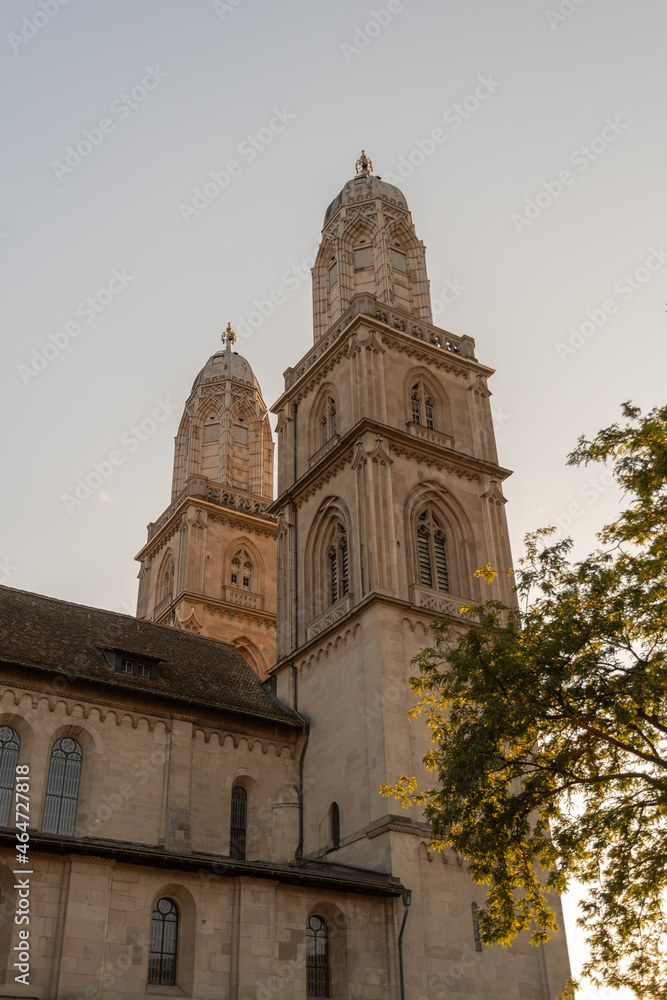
<point x="235" y="782"/>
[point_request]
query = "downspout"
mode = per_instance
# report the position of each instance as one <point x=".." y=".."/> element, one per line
<point x="407" y="899"/>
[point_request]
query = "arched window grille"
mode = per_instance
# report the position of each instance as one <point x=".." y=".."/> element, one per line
<point x="239" y="823"/>
<point x="241" y="571"/>
<point x="328" y="420"/>
<point x="432" y="552"/>
<point x="317" y="958"/>
<point x="422" y="406"/>
<point x="335" y="825"/>
<point x="10" y="744"/>
<point x="164" y="941"/>
<point x="62" y="789"/>
<point x="339" y="565"/>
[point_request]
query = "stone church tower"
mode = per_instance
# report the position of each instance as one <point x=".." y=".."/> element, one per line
<point x="389" y="499"/>
<point x="209" y="565"/>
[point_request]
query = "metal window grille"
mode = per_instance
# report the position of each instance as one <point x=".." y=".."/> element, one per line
<point x="317" y="958"/>
<point x="62" y="789"/>
<point x="239" y="823"/>
<point x="333" y="576"/>
<point x="10" y="744"/>
<point x="164" y="939"/>
<point x="345" y="570"/>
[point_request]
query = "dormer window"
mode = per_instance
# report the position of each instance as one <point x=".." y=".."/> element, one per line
<point x="130" y="665"/>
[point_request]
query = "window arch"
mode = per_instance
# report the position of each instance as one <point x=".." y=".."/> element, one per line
<point x="241" y="571"/>
<point x="339" y="564"/>
<point x="317" y="957"/>
<point x="165" y="586"/>
<point x="422" y="405"/>
<point x="239" y="821"/>
<point x="164" y="942"/>
<point x="10" y="744"/>
<point x="432" y="552"/>
<point x="328" y="421"/>
<point x="62" y="788"/>
<point x="335" y="825"/>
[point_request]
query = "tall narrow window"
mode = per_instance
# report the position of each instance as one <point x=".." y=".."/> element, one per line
<point x="164" y="940"/>
<point x="239" y="823"/>
<point x="241" y="571"/>
<point x="475" y="928"/>
<point x="317" y="958"/>
<point x="165" y="589"/>
<point x="9" y="754"/>
<point x="422" y="406"/>
<point x="328" y="422"/>
<point x="335" y="825"/>
<point x="432" y="552"/>
<point x="339" y="574"/>
<point x="62" y="789"/>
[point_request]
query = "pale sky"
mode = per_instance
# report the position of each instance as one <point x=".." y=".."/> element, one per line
<point x="541" y="204"/>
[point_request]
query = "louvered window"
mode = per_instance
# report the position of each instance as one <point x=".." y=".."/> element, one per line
<point x="211" y="432"/>
<point x="317" y="958"/>
<point x="10" y="744"/>
<point x="62" y="788"/>
<point x="432" y="552"/>
<point x="333" y="274"/>
<point x="339" y="565"/>
<point x="164" y="940"/>
<point x="399" y="261"/>
<point x="239" y="823"/>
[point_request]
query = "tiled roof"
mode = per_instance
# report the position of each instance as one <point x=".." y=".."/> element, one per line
<point x="69" y="638"/>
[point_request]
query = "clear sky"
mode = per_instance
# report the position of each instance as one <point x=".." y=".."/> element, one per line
<point x="528" y="137"/>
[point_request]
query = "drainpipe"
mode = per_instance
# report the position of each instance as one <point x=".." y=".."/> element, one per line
<point x="407" y="899"/>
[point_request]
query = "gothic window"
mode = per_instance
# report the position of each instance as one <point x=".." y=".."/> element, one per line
<point x="422" y="406"/>
<point x="241" y="571"/>
<point x="339" y="573"/>
<point x="164" y="939"/>
<point x="62" y="788"/>
<point x="333" y="273"/>
<point x="9" y="755"/>
<point x="165" y="589"/>
<point x="328" y="420"/>
<point x="317" y="958"/>
<point x="432" y="552"/>
<point x="239" y="823"/>
<point x="211" y="431"/>
<point x="335" y="825"/>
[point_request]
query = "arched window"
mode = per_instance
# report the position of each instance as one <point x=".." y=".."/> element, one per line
<point x="335" y="825"/>
<point x="317" y="958"/>
<point x="422" y="406"/>
<point x="328" y="420"/>
<point x="164" y="940"/>
<point x="62" y="789"/>
<point x="9" y="755"/>
<point x="165" y="587"/>
<point x="432" y="552"/>
<point x="241" y="571"/>
<point x="239" y="823"/>
<point x="339" y="573"/>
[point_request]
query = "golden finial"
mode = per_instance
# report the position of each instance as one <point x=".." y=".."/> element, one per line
<point x="229" y="337"/>
<point x="364" y="165"/>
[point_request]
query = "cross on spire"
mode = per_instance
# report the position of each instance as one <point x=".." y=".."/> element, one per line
<point x="364" y="165"/>
<point x="229" y="337"/>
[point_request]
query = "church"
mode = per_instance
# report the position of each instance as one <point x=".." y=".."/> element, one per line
<point x="189" y="798"/>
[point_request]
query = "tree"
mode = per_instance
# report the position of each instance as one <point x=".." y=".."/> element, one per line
<point x="549" y="728"/>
